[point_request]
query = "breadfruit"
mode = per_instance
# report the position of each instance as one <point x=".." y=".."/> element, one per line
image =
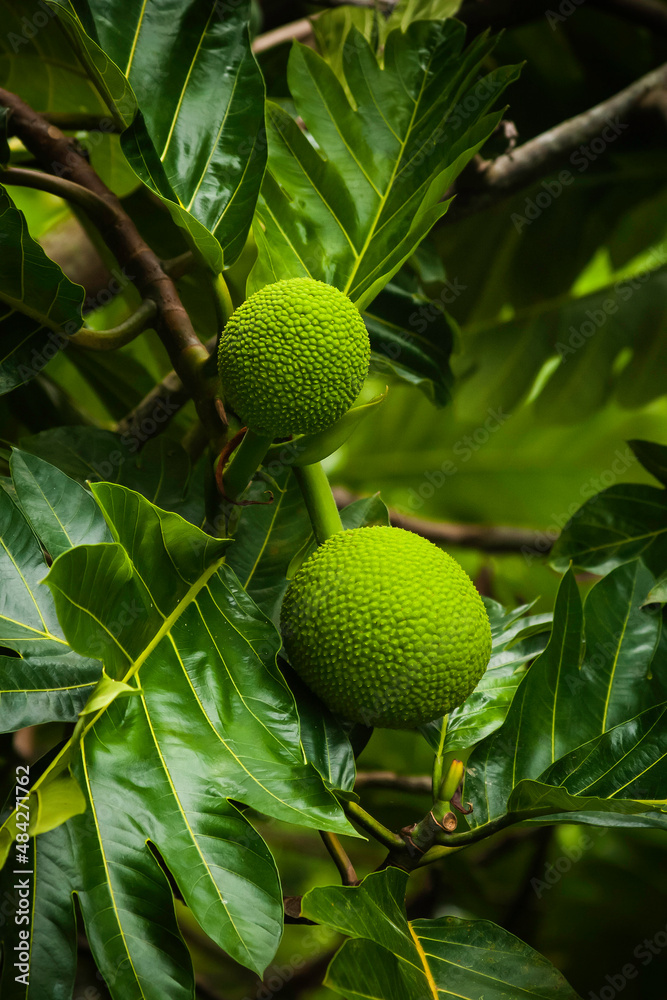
<point x="386" y="628"/>
<point x="293" y="357"/>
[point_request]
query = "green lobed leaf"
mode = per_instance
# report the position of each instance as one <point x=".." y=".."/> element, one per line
<point x="38" y="61"/>
<point x="201" y="147"/>
<point x="391" y="958"/>
<point x="653" y="457"/>
<point x="44" y="680"/>
<point x="212" y="721"/>
<point x="39" y="306"/>
<point x="267" y="536"/>
<point x="349" y="203"/>
<point x="621" y="523"/>
<point x="573" y="696"/>
<point x="412" y="339"/>
<point x="159" y="469"/>
<point x="61" y="513"/>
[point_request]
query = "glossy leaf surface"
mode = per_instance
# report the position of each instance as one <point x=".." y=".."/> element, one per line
<point x="201" y="147"/>
<point x="577" y="702"/>
<point x="621" y="523"/>
<point x="39" y="306"/>
<point x="351" y="205"/>
<point x="412" y="339"/>
<point x="391" y="958"/>
<point x="44" y="680"/>
<point x="211" y="719"/>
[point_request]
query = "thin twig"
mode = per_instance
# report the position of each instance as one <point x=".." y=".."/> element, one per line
<point x="117" y="336"/>
<point x="55" y="151"/>
<point x="98" y="210"/>
<point x="494" y="538"/>
<point x="300" y="30"/>
<point x="340" y="858"/>
<point x="495" y="180"/>
<point x="389" y="779"/>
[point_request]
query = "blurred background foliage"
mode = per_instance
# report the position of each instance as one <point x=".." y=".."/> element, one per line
<point x="528" y="434"/>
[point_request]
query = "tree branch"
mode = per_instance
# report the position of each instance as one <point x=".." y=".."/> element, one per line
<point x="52" y="149"/>
<point x="496" y="179"/>
<point x="469" y="536"/>
<point x="117" y="336"/>
<point x="340" y="858"/>
<point x="389" y="779"/>
<point x="98" y="210"/>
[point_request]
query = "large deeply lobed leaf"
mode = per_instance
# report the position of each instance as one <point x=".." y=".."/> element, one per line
<point x="391" y="958"/>
<point x="205" y="718"/>
<point x="349" y="202"/>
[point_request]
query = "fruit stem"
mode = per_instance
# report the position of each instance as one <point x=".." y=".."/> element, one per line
<point x="224" y="306"/>
<point x="244" y="463"/>
<point x="319" y="500"/>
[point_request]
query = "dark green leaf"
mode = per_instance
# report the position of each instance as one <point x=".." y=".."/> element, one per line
<point x="200" y="147"/>
<point x="653" y="457"/>
<point x="349" y="203"/>
<point x="45" y="680"/>
<point x="412" y="338"/>
<point x="61" y="512"/>
<point x="267" y="537"/>
<point x="619" y="524"/>
<point x="324" y="738"/>
<point x="565" y="706"/>
<point x="390" y="958"/>
<point x="212" y="720"/>
<point x="159" y="469"/>
<point x="38" y="62"/>
<point x="39" y="306"/>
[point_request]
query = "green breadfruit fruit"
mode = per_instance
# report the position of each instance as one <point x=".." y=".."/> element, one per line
<point x="293" y="357"/>
<point x="386" y="628"/>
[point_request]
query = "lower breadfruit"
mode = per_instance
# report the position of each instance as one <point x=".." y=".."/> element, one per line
<point x="386" y="628"/>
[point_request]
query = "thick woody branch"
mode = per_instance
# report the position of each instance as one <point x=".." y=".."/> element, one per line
<point x="496" y="179"/>
<point x="57" y="153"/>
<point x="470" y="536"/>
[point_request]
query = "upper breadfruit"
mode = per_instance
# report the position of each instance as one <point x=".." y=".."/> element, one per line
<point x="293" y="357"/>
<point x="386" y="628"/>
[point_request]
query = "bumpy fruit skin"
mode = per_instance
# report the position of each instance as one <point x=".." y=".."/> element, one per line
<point x="293" y="357"/>
<point x="386" y="628"/>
